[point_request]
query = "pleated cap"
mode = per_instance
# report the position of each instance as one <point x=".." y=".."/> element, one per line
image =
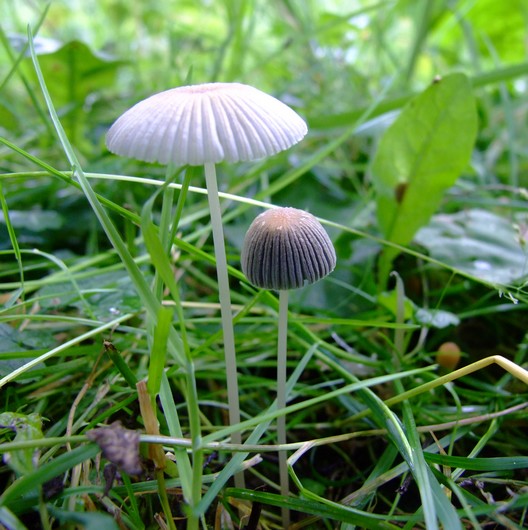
<point x="212" y="122"/>
<point x="286" y="248"/>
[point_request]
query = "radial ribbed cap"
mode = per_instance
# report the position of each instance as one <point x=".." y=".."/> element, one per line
<point x="212" y="122"/>
<point x="285" y="248"/>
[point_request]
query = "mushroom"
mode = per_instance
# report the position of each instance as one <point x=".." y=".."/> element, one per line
<point x="206" y="124"/>
<point x="285" y="248"/>
<point x="203" y="125"/>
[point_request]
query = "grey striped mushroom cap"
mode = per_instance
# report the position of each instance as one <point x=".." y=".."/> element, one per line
<point x="211" y="122"/>
<point x="286" y="248"/>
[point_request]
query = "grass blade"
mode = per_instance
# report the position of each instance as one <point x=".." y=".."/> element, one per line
<point x="333" y="511"/>
<point x="9" y="520"/>
<point x="143" y="289"/>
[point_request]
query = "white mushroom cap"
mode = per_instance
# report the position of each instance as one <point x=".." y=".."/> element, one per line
<point x="285" y="248"/>
<point x="204" y="123"/>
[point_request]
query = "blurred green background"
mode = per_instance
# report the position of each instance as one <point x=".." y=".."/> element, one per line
<point x="343" y="65"/>
<point x="349" y="68"/>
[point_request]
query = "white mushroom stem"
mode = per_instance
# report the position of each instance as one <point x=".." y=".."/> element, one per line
<point x="281" y="399"/>
<point x="225" y="305"/>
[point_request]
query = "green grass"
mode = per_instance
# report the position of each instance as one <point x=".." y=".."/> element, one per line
<point x="98" y="293"/>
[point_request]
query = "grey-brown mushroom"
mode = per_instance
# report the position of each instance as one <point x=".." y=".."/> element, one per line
<point x="285" y="248"/>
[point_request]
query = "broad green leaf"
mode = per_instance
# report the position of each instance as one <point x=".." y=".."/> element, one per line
<point x="73" y="70"/>
<point x="13" y="341"/>
<point x="478" y="242"/>
<point x="26" y="427"/>
<point x="108" y="294"/>
<point x="34" y="220"/>
<point x="420" y="156"/>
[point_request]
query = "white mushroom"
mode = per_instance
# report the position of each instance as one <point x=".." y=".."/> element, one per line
<point x="209" y="123"/>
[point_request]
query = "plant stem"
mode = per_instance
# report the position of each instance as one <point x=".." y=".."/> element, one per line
<point x="282" y="353"/>
<point x="225" y="305"/>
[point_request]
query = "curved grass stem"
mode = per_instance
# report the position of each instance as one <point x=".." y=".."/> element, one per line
<point x="509" y="366"/>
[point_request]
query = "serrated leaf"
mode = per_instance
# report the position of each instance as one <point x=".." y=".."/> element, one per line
<point x="420" y="156"/>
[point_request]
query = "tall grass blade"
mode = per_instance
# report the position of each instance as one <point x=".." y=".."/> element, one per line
<point x="148" y="299"/>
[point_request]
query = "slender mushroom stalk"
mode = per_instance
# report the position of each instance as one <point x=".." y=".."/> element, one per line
<point x="285" y="248"/>
<point x="204" y="125"/>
